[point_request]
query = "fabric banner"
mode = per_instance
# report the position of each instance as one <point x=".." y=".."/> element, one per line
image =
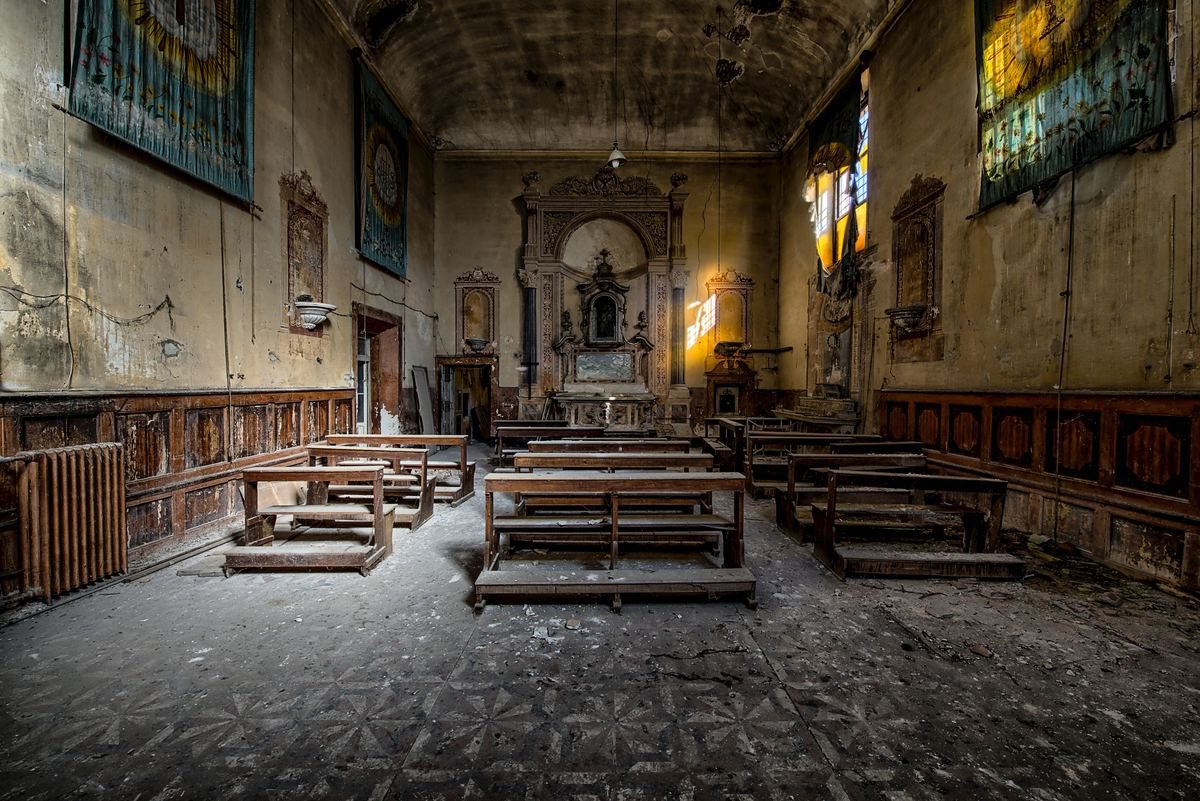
<point x="382" y="200"/>
<point x="833" y="136"/>
<point x="1063" y="83"/>
<point x="173" y="78"/>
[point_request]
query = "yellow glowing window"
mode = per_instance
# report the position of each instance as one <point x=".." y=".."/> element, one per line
<point x="833" y="195"/>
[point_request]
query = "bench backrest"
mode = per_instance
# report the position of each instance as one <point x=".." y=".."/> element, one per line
<point x="319" y="473"/>
<point x="614" y="461"/>
<point x="800" y="463"/>
<point x="604" y="445"/>
<point x="884" y="446"/>
<point x="459" y="441"/>
<point x="397" y="457"/>
<point x="914" y="482"/>
<point x="544" y="423"/>
<point x="632" y="481"/>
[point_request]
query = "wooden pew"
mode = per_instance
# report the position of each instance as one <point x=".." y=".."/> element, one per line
<point x="722" y="439"/>
<point x="767" y="455"/>
<point x="792" y="512"/>
<point x="406" y="480"/>
<point x="513" y="438"/>
<point x="935" y="502"/>
<point x="611" y="527"/>
<point x="649" y="501"/>
<point x="877" y="446"/>
<point x="462" y="466"/>
<point x="363" y="536"/>
<point x="606" y="445"/>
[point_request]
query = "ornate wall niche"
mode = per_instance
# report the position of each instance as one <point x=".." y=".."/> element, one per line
<point x="554" y="215"/>
<point x="730" y="292"/>
<point x="305" y="247"/>
<point x="475" y="311"/>
<point x="916" y="327"/>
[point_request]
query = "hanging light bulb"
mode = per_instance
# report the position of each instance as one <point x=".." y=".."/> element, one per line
<point x="616" y="158"/>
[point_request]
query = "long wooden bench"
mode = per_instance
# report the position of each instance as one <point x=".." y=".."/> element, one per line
<point x="324" y="535"/>
<point x="877" y="446"/>
<point x="935" y="502"/>
<point x="648" y="501"/>
<point x="606" y="445"/>
<point x="460" y="470"/>
<point x="806" y="482"/>
<point x="406" y="481"/>
<point x="513" y="439"/>
<point x="497" y="580"/>
<point x="767" y="455"/>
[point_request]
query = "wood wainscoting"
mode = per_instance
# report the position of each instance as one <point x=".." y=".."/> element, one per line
<point x="184" y="451"/>
<point x="1115" y="474"/>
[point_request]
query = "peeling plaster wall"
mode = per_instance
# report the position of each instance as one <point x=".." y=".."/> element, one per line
<point x="797" y="265"/>
<point x="481" y="223"/>
<point x="135" y="231"/>
<point x="1004" y="270"/>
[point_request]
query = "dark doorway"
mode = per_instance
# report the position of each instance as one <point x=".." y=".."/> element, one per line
<point x="378" y="356"/>
<point x="466" y="394"/>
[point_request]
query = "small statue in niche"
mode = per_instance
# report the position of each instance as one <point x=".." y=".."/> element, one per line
<point x="565" y="323"/>
<point x="643" y="322"/>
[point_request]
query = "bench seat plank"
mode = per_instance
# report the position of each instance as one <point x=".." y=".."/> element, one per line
<point x="533" y="581"/>
<point x="871" y="563"/>
<point x="326" y="510"/>
<point x="601" y="522"/>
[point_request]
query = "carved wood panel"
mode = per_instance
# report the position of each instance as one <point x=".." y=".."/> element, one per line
<point x="287" y="425"/>
<point x="929" y="425"/>
<point x="1154" y="453"/>
<point x="318" y="420"/>
<point x="253" y="430"/>
<point x="204" y="436"/>
<point x="965" y="430"/>
<point x="1073" y="445"/>
<point x="897" y="421"/>
<point x="147" y="440"/>
<point x="1012" y="439"/>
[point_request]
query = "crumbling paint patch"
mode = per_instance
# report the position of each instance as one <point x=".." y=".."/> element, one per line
<point x="388" y="423"/>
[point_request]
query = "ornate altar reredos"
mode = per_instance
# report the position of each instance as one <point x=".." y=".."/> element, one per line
<point x="605" y="321"/>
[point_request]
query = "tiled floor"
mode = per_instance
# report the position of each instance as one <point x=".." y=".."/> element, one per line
<point x="388" y="687"/>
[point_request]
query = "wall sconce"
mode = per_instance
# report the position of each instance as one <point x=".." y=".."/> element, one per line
<point x="311" y="313"/>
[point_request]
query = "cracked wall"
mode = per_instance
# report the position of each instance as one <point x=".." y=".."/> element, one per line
<point x="137" y="244"/>
<point x="1005" y="269"/>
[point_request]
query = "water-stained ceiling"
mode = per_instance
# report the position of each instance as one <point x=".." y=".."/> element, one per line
<point x="538" y="74"/>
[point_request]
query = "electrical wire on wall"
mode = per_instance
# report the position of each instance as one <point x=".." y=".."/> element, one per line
<point x="225" y="332"/>
<point x="1062" y="355"/>
<point x="66" y="259"/>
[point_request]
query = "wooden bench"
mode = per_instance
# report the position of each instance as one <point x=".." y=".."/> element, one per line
<point x="877" y="446"/>
<point x="935" y="502"/>
<point x="497" y="580"/>
<point x="513" y="439"/>
<point x="666" y="502"/>
<point x="354" y="536"/>
<point x="606" y="445"/>
<point x="793" y="499"/>
<point x="767" y="455"/>
<point x="406" y="481"/>
<point x="462" y="468"/>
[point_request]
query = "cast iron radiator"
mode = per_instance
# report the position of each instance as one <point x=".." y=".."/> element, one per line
<point x="71" y="506"/>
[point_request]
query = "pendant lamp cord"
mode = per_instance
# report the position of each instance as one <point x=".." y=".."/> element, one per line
<point x="615" y="88"/>
<point x="717" y="72"/>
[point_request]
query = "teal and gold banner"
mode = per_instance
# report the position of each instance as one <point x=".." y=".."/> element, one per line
<point x="174" y="78"/>
<point x="382" y="148"/>
<point x="1063" y="82"/>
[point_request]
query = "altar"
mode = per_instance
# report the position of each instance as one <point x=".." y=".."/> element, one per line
<point x="604" y="369"/>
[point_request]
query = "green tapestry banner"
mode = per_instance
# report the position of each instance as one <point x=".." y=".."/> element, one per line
<point x="174" y="78"/>
<point x="1063" y="82"/>
<point x="382" y="201"/>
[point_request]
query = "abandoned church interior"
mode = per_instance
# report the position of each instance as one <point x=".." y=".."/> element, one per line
<point x="599" y="400"/>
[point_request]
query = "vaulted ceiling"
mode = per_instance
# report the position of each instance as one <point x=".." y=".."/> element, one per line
<point x="538" y="74"/>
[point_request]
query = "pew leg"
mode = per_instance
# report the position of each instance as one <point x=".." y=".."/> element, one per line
<point x="616" y="602"/>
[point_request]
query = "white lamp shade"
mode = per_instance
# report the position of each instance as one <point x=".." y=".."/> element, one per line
<point x="616" y="158"/>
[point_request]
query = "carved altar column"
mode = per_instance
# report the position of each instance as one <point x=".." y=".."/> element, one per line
<point x="679" y="279"/>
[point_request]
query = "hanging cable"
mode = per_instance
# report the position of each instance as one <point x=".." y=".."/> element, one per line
<point x="615" y="89"/>
<point x="717" y="72"/>
<point x="1062" y="356"/>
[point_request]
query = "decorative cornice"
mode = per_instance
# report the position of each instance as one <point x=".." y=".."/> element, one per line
<point x="921" y="191"/>
<point x="592" y="156"/>
<point x="300" y="185"/>
<point x="730" y="276"/>
<point x="605" y="182"/>
<point x="477" y="276"/>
